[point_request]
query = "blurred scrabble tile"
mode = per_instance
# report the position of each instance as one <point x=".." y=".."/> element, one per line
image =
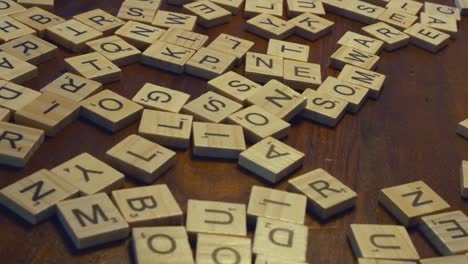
<point x="464" y="179"/>
<point x="275" y="238"/>
<point x="365" y="12"/>
<point x="14" y="96"/>
<point x="5" y="114"/>
<point x="459" y="259"/>
<point x="355" y="95"/>
<point x="302" y="75"/>
<point x="391" y="242"/>
<point x="148" y="206"/>
<point x="166" y="56"/>
<point x="208" y="64"/>
<point x="217" y="140"/>
<point x="463" y="6"/>
<point x="447" y="232"/>
<point x="31" y="49"/>
<point x="408" y="6"/>
<point x="157" y="97"/>
<point x="234" y="86"/>
<point x="168" y="129"/>
<point x="184" y="38"/>
<point x="92" y="220"/>
<point x="288" y="50"/>
<point x="212" y="249"/>
<point x="139" y="35"/>
<point x="259" y="124"/>
<point x="46" y="4"/>
<point x="211" y="107"/>
<point x="38" y="19"/>
<point x="462" y="128"/>
<point x="256" y="7"/>
<point x="15" y="70"/>
<point x="298" y="7"/>
<point x="371" y="80"/>
<point x="100" y="20"/>
<point x="323" y="108"/>
<point x="392" y="37"/>
<point x="326" y="195"/>
<point x="235" y="46"/>
<point x="383" y="261"/>
<point x="347" y="55"/>
<point x="167" y="19"/>
<point x="216" y="218"/>
<point x="18" y="143"/>
<point x="442" y="10"/>
<point x="408" y="202"/>
<point x="89" y="175"/>
<point x="140" y="11"/>
<point x="271" y="159"/>
<point x="115" y="49"/>
<point x="94" y="66"/>
<point x="427" y="38"/>
<point x="150" y="245"/>
<point x="398" y="19"/>
<point x="233" y="6"/>
<point x="11" y="29"/>
<point x="310" y="26"/>
<point x="72" y="87"/>
<point x="141" y="158"/>
<point x="72" y="34"/>
<point x="208" y="13"/>
<point x="361" y="42"/>
<point x="34" y="197"/>
<point x="261" y="259"/>
<point x="268" y="26"/>
<point x="262" y="68"/>
<point x="441" y="23"/>
<point x="10" y="7"/>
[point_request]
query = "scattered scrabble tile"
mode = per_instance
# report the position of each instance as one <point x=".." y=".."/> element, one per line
<point x="371" y="80"/>
<point x="398" y="19"/>
<point x="5" y="114"/>
<point x="347" y="55"/>
<point x="166" y="56"/>
<point x="276" y="204"/>
<point x="15" y="70"/>
<point x="115" y="49"/>
<point x="256" y="7"/>
<point x="323" y="108"/>
<point x="463" y="6"/>
<point x="288" y="50"/>
<point x="298" y="7"/>
<point x="459" y="259"/>
<point x="216" y="218"/>
<point x="161" y="98"/>
<point x="462" y="128"/>
<point x="363" y="12"/>
<point x="208" y="64"/>
<point x="261" y="259"/>
<point x="72" y="87"/>
<point x="92" y="220"/>
<point x="38" y="19"/>
<point x="184" y="38"/>
<point x="234" y="86"/>
<point x="46" y="4"/>
<point x="383" y="261"/>
<point x="141" y="158"/>
<point x="268" y="27"/>
<point x="442" y="10"/>
<point x="427" y="38"/>
<point x="259" y="124"/>
<point x="232" y="6"/>
<point x="223" y="249"/>
<point x="279" y="99"/>
<point x="139" y="35"/>
<point x="100" y="20"/>
<point x="447" y="232"/>
<point x="310" y="26"/>
<point x="94" y="66"/>
<point x="168" y="129"/>
<point x="168" y="244"/>
<point x="139" y="11"/>
<point x="167" y="19"/>
<point x="34" y="197"/>
<point x="326" y="195"/>
<point x="14" y="96"/>
<point x="355" y="95"/>
<point x="271" y="159"/>
<point x="31" y="49"/>
<point x="208" y="13"/>
<point x="217" y="140"/>
<point x="408" y="6"/>
<point x="263" y="67"/>
<point x="301" y="75"/>
<point x="410" y="201"/>
<point x="361" y="42"/>
<point x="382" y="242"/>
<point x="10" y="7"/>
<point x="280" y="239"/>
<point x="11" y="29"/>
<point x="89" y="175"/>
<point x="393" y="38"/>
<point x="110" y="110"/>
<point x="444" y="24"/>
<point x="235" y="46"/>
<point x="211" y="107"/>
<point x="72" y="34"/>
<point x="148" y="206"/>
<point x="464" y="179"/>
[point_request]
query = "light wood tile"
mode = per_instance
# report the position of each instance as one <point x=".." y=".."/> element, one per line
<point x="38" y="19"/>
<point x="15" y="70"/>
<point x="212" y="249"/>
<point x="167" y="19"/>
<point x="211" y="107"/>
<point x="94" y="66"/>
<point x="115" y="49"/>
<point x="139" y="35"/>
<point x="268" y="26"/>
<point x="369" y="79"/>
<point x="72" y="34"/>
<point x="100" y="20"/>
<point x="72" y="87"/>
<point x="208" y="13"/>
<point x="323" y="108"/>
<point x="393" y="38"/>
<point x="166" y="56"/>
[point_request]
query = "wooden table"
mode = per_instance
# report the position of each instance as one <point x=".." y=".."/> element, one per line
<point x="406" y="135"/>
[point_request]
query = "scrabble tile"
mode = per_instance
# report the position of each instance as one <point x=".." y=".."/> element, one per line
<point x="100" y="20"/>
<point x="161" y="98"/>
<point x="462" y="128"/>
<point x="463" y="6"/>
<point x="14" y="96"/>
<point x="310" y="26"/>
<point x="94" y="66"/>
<point x="148" y="206"/>
<point x="355" y="95"/>
<point x="392" y="37"/>
<point x="371" y="80"/>
<point x="271" y="159"/>
<point x="31" y="49"/>
<point x="361" y="42"/>
<point x="268" y="26"/>
<point x="347" y="55"/>
<point x="280" y="239"/>
<point x="444" y="24"/>
<point x="447" y="232"/>
<point x="231" y="45"/>
<point x="166" y="56"/>
<point x="262" y="68"/>
<point x="89" y="175"/>
<point x="15" y="70"/>
<point x="115" y="49"/>
<point x="208" y="64"/>
<point x="398" y="19"/>
<point x="211" y="107"/>
<point x="167" y="19"/>
<point x="216" y="218"/>
<point x="34" y="197"/>
<point x="383" y="261"/>
<point x="408" y="6"/>
<point x="256" y="7"/>
<point x="408" y="202"/>
<point x="137" y="11"/>
<point x="72" y="87"/>
<point x="260" y="259"/>
<point x="110" y="110"/>
<point x="464" y="179"/>
<point x="390" y="242"/>
<point x="212" y="249"/>
<point x="301" y="75"/>
<point x="298" y="7"/>
<point x="92" y="220"/>
<point x="459" y="259"/>
<point x="233" y="6"/>
<point x="234" y="86"/>
<point x="442" y="10"/>
<point x="276" y="204"/>
<point x="288" y="50"/>
<point x="11" y="29"/>
<point x="363" y="12"/>
<point x="208" y="13"/>
<point x="10" y="7"/>
<point x="326" y="195"/>
<point x="5" y="114"/>
<point x="139" y="35"/>
<point x="259" y="124"/>
<point x="323" y="108"/>
<point x="46" y="4"/>
<point x="38" y="19"/>
<point x="217" y="140"/>
<point x="168" y="129"/>
<point x="141" y="158"/>
<point x="168" y="244"/>
<point x="72" y="35"/>
<point x="427" y="38"/>
<point x="184" y="38"/>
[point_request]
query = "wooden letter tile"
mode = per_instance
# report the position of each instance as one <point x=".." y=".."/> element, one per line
<point x="298" y="7"/>
<point x="442" y="10"/>
<point x="115" y="49"/>
<point x="323" y="108"/>
<point x="361" y="42"/>
<point x="72" y="34"/>
<point x="139" y="35"/>
<point x="464" y="179"/>
<point x="15" y="70"/>
<point x="427" y="38"/>
<point x="459" y="259"/>
<point x="31" y="49"/>
<point x="208" y="63"/>
<point x="383" y="261"/>
<point x="363" y="11"/>
<point x="234" y="86"/>
<point x="167" y="19"/>
<point x="232" y="6"/>
<point x="462" y="128"/>
<point x="72" y="87"/>
<point x="100" y="21"/>
<point x="209" y="14"/>
<point x="444" y="24"/>
<point x="184" y="38"/>
<point x="355" y="95"/>
<point x="14" y="96"/>
<point x="46" y="4"/>
<point x="393" y="38"/>
<point x="310" y="26"/>
<point x="38" y="19"/>
<point x="302" y="75"/>
<point x="11" y="29"/>
<point x="408" y="6"/>
<point x="213" y="249"/>
<point x="166" y="56"/>
<point x="371" y="80"/>
<point x="400" y="20"/>
<point x="268" y="26"/>
<point x="5" y="114"/>
<point x="261" y="259"/>
<point x="211" y="107"/>
<point x="140" y="11"/>
<point x="256" y="7"/>
<point x="347" y="55"/>
<point x="94" y="66"/>
<point x="161" y="98"/>
<point x="217" y="140"/>
<point x="263" y="67"/>
<point x="235" y="46"/>
<point x="288" y="50"/>
<point x="10" y="7"/>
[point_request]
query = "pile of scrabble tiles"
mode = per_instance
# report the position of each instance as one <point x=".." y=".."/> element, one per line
<point x="87" y="194"/>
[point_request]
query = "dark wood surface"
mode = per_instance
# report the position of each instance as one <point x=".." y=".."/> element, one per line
<point x="406" y="135"/>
